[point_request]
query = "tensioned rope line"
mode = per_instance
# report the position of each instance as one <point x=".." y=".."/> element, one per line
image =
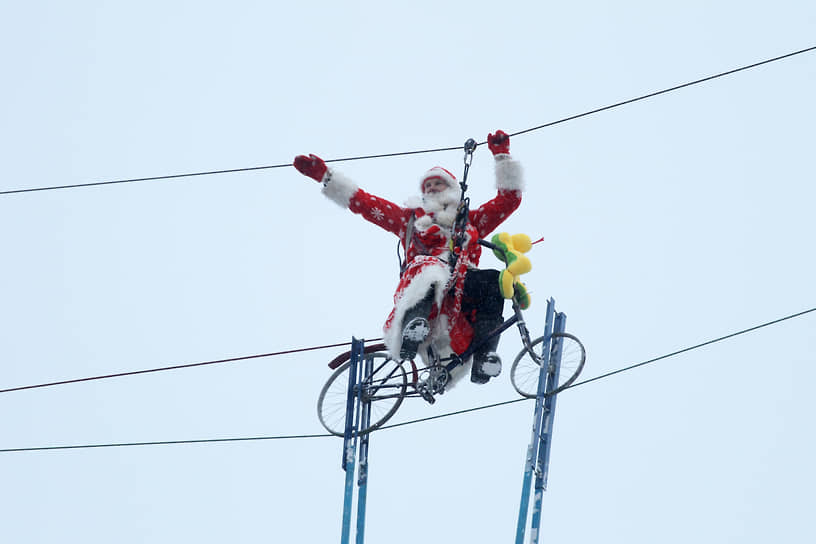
<point x="684" y="350"/>
<point x="175" y="367"/>
<point x="667" y="90"/>
<point x="414" y="421"/>
<point x="167" y="442"/>
<point x="423" y="151"/>
<point x="214" y="172"/>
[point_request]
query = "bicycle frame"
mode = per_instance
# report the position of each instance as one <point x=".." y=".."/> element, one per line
<point x="372" y="388"/>
<point x="393" y="380"/>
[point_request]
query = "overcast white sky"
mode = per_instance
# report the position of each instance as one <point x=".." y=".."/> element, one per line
<point x="667" y="222"/>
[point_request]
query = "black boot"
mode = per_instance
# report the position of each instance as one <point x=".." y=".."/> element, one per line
<point x="416" y="326"/>
<point x="486" y="362"/>
<point x="413" y="334"/>
<point x="484" y="302"/>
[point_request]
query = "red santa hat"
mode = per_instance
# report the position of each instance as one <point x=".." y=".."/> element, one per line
<point x="440" y="173"/>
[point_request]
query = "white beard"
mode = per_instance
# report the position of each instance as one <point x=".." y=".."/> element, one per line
<point x="443" y="205"/>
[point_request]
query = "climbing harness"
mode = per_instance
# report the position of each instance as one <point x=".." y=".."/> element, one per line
<point x="406" y="242"/>
<point x="457" y="239"/>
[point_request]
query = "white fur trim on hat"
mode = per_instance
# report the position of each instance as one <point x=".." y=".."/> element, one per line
<point x="438" y="172"/>
<point x="509" y="175"/>
<point x="338" y="188"/>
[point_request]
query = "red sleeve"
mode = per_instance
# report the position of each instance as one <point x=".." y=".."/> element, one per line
<point x="381" y="212"/>
<point x="493" y="212"/>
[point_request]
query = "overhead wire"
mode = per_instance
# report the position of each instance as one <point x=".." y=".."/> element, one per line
<point x="174" y="367"/>
<point x="665" y="91"/>
<point x="421" y="420"/>
<point x="423" y="151"/>
<point x="163" y="443"/>
<point x="690" y="348"/>
<point x="214" y="172"/>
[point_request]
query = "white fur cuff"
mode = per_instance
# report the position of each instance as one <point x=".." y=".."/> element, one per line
<point x="509" y="174"/>
<point x="338" y="188"/>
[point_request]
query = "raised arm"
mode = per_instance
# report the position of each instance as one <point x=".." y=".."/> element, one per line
<point x="509" y="186"/>
<point x="345" y="193"/>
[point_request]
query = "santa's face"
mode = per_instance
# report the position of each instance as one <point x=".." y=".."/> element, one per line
<point x="441" y="204"/>
<point x="434" y="185"/>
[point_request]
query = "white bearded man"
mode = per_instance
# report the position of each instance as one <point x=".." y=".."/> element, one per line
<point x="433" y="303"/>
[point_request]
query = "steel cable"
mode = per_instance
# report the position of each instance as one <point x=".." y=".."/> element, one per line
<point x="415" y="421"/>
<point x="423" y="151"/>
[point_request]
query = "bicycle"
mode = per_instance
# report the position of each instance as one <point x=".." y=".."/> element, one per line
<point x="390" y="382"/>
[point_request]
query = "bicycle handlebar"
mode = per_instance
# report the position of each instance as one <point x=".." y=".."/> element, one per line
<point x="494" y="247"/>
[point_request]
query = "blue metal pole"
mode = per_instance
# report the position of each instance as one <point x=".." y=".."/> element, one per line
<point x="552" y="383"/>
<point x="362" y="481"/>
<point x="543" y="464"/>
<point x="533" y="448"/>
<point x="350" y="436"/>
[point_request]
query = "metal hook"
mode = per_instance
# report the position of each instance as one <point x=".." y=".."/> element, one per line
<point x="470" y="147"/>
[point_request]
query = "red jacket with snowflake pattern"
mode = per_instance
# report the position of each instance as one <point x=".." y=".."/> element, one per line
<point x="427" y="253"/>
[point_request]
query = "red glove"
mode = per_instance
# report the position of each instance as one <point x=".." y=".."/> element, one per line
<point x="312" y="166"/>
<point x="499" y="143"/>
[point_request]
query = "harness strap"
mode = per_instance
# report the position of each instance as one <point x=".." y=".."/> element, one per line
<point x="406" y="242"/>
<point x="460" y="224"/>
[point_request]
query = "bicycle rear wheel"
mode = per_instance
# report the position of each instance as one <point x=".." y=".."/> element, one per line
<point x="384" y="388"/>
<point x="525" y="370"/>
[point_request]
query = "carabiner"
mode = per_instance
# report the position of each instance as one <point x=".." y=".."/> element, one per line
<point x="470" y="147"/>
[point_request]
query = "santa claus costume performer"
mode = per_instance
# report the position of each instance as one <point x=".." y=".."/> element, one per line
<point x="428" y="303"/>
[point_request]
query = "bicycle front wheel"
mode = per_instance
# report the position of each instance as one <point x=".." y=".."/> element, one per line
<point x="525" y="370"/>
<point x="384" y="388"/>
